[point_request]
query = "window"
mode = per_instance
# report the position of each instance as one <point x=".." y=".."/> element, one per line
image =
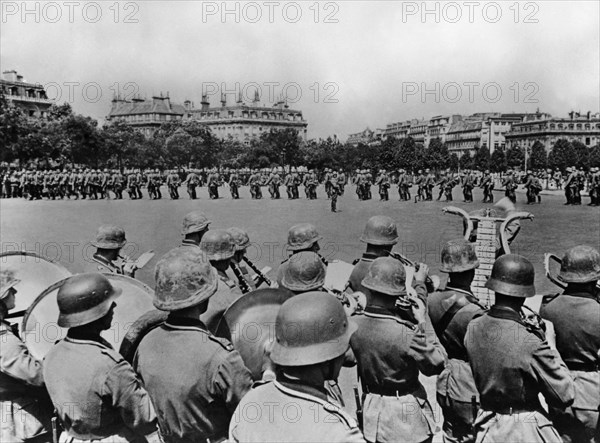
<point x="587" y="141"/>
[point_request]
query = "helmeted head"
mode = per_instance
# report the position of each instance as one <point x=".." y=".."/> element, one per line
<point x="311" y="328"/>
<point x="380" y="230"/>
<point x="110" y="237"/>
<point x="240" y="238"/>
<point x="305" y="271"/>
<point x="387" y="276"/>
<point x="218" y="245"/>
<point x="512" y="275"/>
<point x="85" y="298"/>
<point x="458" y="256"/>
<point x="195" y="221"/>
<point x="184" y="278"/>
<point x="302" y="236"/>
<point x="580" y="264"/>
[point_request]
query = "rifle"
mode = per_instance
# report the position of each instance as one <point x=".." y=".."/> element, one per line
<point x="359" y="411"/>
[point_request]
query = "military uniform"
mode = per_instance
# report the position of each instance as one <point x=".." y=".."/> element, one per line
<point x="488" y="187"/>
<point x="195" y="379"/>
<point x="227" y="293"/>
<point x="361" y="267"/>
<point x="291" y="411"/>
<point x="391" y="352"/>
<point x="97" y="263"/>
<point x="467" y="185"/>
<point x="96" y="392"/>
<point x="234" y="185"/>
<point x="576" y="320"/>
<point x="512" y="363"/>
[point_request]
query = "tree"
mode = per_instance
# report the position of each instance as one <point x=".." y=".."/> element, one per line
<point x="594" y="157"/>
<point x="481" y="160"/>
<point x="465" y="161"/>
<point x="515" y="157"/>
<point x="581" y="154"/>
<point x="453" y="162"/>
<point x="409" y="155"/>
<point x="437" y="155"/>
<point x="538" y="158"/>
<point x="498" y="161"/>
<point x="562" y="155"/>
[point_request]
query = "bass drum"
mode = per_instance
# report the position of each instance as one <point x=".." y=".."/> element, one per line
<point x="40" y="330"/>
<point x="249" y="323"/>
<point x="35" y="272"/>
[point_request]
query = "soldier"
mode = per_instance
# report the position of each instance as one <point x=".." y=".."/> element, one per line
<point x="334" y="191"/>
<point x="24" y="403"/>
<point x="514" y="364"/>
<point x="151" y="186"/>
<point x="510" y="185"/>
<point x="173" y="182"/>
<point x="359" y="181"/>
<point x="595" y="187"/>
<point x="380" y="235"/>
<point x="305" y="362"/>
<point x="368" y="183"/>
<point x="310" y="185"/>
<point x="101" y="399"/>
<point x="429" y="184"/>
<point x="558" y="178"/>
<point x="157" y="181"/>
<point x="304" y="272"/>
<point x="487" y="184"/>
<point x="529" y="185"/>
<point x="341" y="181"/>
<point x="131" y="185"/>
<point x="141" y="180"/>
<point x="327" y="182"/>
<point x="404" y="186"/>
<point x="301" y="237"/>
<point x="420" y="182"/>
<point x="442" y="183"/>
<point x="237" y="266"/>
<point x="297" y="181"/>
<point x="191" y="181"/>
<point x="109" y="241"/>
<point x="383" y="182"/>
<point x="195" y="379"/>
<point x="467" y="185"/>
<point x="254" y="182"/>
<point x="219" y="247"/>
<point x="234" y="185"/>
<point x="195" y="225"/>
<point x="214" y="181"/>
<point x="451" y="308"/>
<point x="288" y="182"/>
<point x="575" y="315"/>
<point x="391" y="349"/>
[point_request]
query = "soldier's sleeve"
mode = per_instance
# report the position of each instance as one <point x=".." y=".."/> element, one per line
<point x="427" y="351"/>
<point x="232" y="380"/>
<point x="554" y="378"/>
<point x="129" y="397"/>
<point x="16" y="361"/>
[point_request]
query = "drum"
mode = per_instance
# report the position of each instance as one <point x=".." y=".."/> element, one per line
<point x="35" y="272"/>
<point x="40" y="330"/>
<point x="249" y="323"/>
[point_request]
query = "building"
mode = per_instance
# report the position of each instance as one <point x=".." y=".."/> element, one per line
<point x="467" y="136"/>
<point x="242" y="121"/>
<point x="145" y="115"/>
<point x="363" y="137"/>
<point x="418" y="130"/>
<point x="583" y="128"/>
<point x="397" y="130"/>
<point x="31" y="98"/>
<point x="438" y="127"/>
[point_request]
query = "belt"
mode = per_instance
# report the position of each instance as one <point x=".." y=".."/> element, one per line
<point x="583" y="367"/>
<point x="510" y="410"/>
<point x="388" y="391"/>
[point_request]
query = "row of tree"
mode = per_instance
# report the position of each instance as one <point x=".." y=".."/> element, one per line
<point x="65" y="138"/>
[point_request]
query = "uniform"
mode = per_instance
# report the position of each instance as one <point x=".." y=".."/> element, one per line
<point x="341" y="181"/>
<point x="512" y="363"/>
<point x="195" y="379"/>
<point x="509" y="188"/>
<point x="227" y="293"/>
<point x="576" y="319"/>
<point x="234" y="185"/>
<point x="450" y="310"/>
<point x="97" y="263"/>
<point x="361" y="267"/>
<point x="488" y="187"/>
<point x="101" y="398"/>
<point x="24" y="403"/>
<point x="288" y="411"/>
<point x="390" y="352"/>
<point x="467" y="185"/>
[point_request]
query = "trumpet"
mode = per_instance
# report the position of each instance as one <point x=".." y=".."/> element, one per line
<point x="431" y="282"/>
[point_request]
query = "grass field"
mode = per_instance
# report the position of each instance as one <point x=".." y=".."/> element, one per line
<point x="62" y="230"/>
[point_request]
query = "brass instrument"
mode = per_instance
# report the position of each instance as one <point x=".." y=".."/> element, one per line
<point x="431" y="282"/>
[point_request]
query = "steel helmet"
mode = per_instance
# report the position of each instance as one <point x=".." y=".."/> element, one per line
<point x="7" y="281"/>
<point x="184" y="278"/>
<point x="380" y="230"/>
<point x="302" y="236"/>
<point x="311" y="328"/>
<point x="218" y="245"/>
<point x="305" y="271"/>
<point x="580" y="264"/>
<point x="458" y="256"/>
<point x="240" y="238"/>
<point x="194" y="221"/>
<point x="84" y="298"/>
<point x="110" y="237"/>
<point x="512" y="275"/>
<point x="386" y="275"/>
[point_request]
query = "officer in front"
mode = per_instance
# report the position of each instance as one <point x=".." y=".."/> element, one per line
<point x="512" y="362"/>
<point x="312" y="335"/>
<point x="195" y="379"/>
<point x="96" y="393"/>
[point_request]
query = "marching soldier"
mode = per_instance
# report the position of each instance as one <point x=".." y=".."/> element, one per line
<point x="305" y="362"/>
<point x="273" y="183"/>
<point x="195" y="225"/>
<point x="450" y="310"/>
<point x="487" y="184"/>
<point x="219" y="247"/>
<point x="192" y="181"/>
<point x="595" y="187"/>
<point x="213" y="184"/>
<point x="392" y="348"/>
<point x="383" y="182"/>
<point x="420" y="182"/>
<point x="254" y="184"/>
<point x="131" y="185"/>
<point x="195" y="379"/>
<point x="368" y="183"/>
<point x="173" y="182"/>
<point x="404" y="186"/>
<point x="441" y="183"/>
<point x="359" y="181"/>
<point x="310" y="185"/>
<point x="327" y="181"/>
<point x="510" y="185"/>
<point x="288" y="182"/>
<point x="429" y="184"/>
<point x="24" y="403"/>
<point x="109" y="241"/>
<point x="341" y="181"/>
<point x="512" y="362"/>
<point x="96" y="393"/>
<point x="334" y="191"/>
<point x="575" y="315"/>
<point x="234" y="185"/>
<point x="468" y="185"/>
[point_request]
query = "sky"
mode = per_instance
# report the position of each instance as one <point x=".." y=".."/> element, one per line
<point x="346" y="65"/>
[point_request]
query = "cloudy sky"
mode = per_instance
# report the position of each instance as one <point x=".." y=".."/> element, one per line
<point x="346" y="65"/>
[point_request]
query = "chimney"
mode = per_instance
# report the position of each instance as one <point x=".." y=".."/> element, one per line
<point x="10" y="76"/>
<point x="571" y="114"/>
<point x="588" y="114"/>
<point x="223" y="100"/>
<point x="205" y="103"/>
<point x="188" y="105"/>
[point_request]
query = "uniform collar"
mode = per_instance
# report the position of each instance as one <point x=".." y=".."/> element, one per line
<point x="188" y="242"/>
<point x="301" y="388"/>
<point x="175" y="320"/>
<point x="102" y="260"/>
<point x="468" y="293"/>
<point x="379" y="310"/>
<point x="582" y="294"/>
<point x="505" y="313"/>
<point x="78" y="336"/>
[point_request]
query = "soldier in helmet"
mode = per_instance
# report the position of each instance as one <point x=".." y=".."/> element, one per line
<point x="173" y="182"/>
<point x="383" y="183"/>
<point x="420" y="182"/>
<point x="301" y="237"/>
<point x="96" y="393"/>
<point x="234" y="185"/>
<point x="575" y="315"/>
<point x="305" y="362"/>
<point x="450" y="309"/>
<point x="237" y="266"/>
<point x="380" y="235"/>
<point x="219" y="247"/>
<point x="487" y="184"/>
<point x="510" y="184"/>
<point x="442" y="184"/>
<point x="214" y="181"/>
<point x="429" y="184"/>
<point x="334" y="191"/>
<point x="341" y="181"/>
<point x="24" y="403"/>
<point x="194" y="378"/>
<point x="109" y="241"/>
<point x="191" y="182"/>
<point x="195" y="225"/>
<point x="468" y="183"/>
<point x="391" y="349"/>
<point x="514" y="364"/>
<point x="304" y="272"/>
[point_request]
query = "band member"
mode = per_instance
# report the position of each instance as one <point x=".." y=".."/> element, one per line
<point x="109" y="241"/>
